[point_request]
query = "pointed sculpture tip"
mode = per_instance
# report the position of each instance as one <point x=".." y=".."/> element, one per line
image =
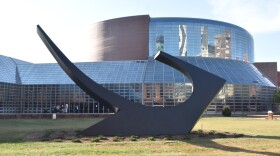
<point x="38" y="26"/>
<point x="40" y="30"/>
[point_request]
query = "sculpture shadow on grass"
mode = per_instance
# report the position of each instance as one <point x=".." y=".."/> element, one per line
<point x="134" y="118"/>
<point x="209" y="143"/>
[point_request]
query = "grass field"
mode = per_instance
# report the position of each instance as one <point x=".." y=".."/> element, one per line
<point x="261" y="137"/>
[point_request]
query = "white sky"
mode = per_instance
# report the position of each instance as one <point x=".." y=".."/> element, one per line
<point x="67" y="22"/>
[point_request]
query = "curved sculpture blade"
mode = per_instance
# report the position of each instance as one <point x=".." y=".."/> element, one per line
<point x="137" y="119"/>
<point x="106" y="97"/>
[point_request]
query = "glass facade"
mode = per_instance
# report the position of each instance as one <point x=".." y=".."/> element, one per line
<point x="200" y="37"/>
<point x="45" y="88"/>
<point x="221" y="48"/>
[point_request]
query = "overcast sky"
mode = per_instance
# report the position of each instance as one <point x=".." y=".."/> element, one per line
<point x="67" y="22"/>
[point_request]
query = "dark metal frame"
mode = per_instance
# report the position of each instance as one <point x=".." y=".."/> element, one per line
<point x="134" y="118"/>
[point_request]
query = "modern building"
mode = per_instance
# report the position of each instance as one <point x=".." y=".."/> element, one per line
<point x="122" y="61"/>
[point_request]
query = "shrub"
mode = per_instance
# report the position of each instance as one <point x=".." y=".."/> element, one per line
<point x="200" y="132"/>
<point x="101" y="137"/>
<point x="226" y="111"/>
<point x="222" y="135"/>
<point x="212" y="132"/>
<point x="76" y="141"/>
<point x="133" y="138"/>
<point x="95" y="140"/>
<point x="167" y="137"/>
<point x="151" y="139"/>
<point x="238" y="135"/>
<point x="117" y="138"/>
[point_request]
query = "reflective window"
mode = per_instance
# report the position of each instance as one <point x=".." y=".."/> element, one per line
<point x="200" y="37"/>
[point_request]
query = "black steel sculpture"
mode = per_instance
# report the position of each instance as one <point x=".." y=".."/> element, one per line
<point x="134" y="118"/>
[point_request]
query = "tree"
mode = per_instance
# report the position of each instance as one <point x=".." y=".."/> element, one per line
<point x="276" y="97"/>
<point x="226" y="111"/>
<point x="276" y="101"/>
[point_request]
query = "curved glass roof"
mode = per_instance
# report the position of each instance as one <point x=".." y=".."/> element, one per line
<point x="101" y="72"/>
<point x="143" y="71"/>
<point x="139" y="71"/>
<point x="8" y="69"/>
<point x="235" y="72"/>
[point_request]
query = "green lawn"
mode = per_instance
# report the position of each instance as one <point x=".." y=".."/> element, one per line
<point x="262" y="137"/>
<point x="15" y="130"/>
<point x="250" y="126"/>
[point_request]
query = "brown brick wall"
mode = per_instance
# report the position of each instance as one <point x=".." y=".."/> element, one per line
<point x="278" y="75"/>
<point x="124" y="38"/>
<point x="269" y="69"/>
